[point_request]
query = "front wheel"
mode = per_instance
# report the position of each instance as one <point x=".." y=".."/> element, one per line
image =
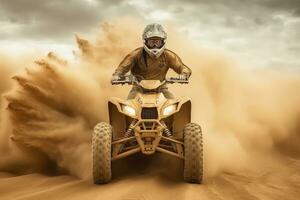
<point x="101" y="147"/>
<point x="193" y="153"/>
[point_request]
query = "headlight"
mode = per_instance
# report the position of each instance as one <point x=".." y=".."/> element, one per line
<point x="129" y="110"/>
<point x="169" y="109"/>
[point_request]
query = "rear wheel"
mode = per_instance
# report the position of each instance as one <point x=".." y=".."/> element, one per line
<point x="193" y="153"/>
<point x="101" y="147"/>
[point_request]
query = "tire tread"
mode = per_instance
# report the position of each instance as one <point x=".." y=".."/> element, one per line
<point x="193" y="153"/>
<point x="101" y="150"/>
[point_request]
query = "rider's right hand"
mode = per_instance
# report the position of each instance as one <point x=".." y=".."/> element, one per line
<point x="115" y="77"/>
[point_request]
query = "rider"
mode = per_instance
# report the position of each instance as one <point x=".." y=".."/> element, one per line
<point x="152" y="61"/>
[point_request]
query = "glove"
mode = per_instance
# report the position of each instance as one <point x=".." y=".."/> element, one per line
<point x="183" y="76"/>
<point x="115" y="77"/>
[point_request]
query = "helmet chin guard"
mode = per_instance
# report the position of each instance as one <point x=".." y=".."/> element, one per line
<point x="154" y="31"/>
<point x="156" y="52"/>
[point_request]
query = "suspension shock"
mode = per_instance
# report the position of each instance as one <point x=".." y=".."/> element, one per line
<point x="129" y="131"/>
<point x="166" y="131"/>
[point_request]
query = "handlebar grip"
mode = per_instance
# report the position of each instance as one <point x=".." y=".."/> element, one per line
<point x="177" y="80"/>
<point x="116" y="82"/>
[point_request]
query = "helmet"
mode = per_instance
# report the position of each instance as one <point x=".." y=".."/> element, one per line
<point x="154" y="38"/>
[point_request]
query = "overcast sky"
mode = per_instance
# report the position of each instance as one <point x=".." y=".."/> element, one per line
<point x="262" y="32"/>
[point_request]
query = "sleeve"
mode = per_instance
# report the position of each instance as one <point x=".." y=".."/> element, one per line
<point x="178" y="66"/>
<point x="126" y="65"/>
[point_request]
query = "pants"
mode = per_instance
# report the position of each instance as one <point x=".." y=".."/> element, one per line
<point x="133" y="92"/>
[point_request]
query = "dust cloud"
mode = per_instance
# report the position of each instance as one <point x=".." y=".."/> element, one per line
<point x="250" y="118"/>
<point x="5" y="73"/>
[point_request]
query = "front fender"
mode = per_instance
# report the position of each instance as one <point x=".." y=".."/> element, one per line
<point x="181" y="116"/>
<point x="180" y="104"/>
<point x="119" y="102"/>
<point x="117" y="118"/>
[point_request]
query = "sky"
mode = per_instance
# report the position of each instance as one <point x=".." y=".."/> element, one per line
<point x="261" y="33"/>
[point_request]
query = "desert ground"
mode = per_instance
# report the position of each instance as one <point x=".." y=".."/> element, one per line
<point x="147" y="183"/>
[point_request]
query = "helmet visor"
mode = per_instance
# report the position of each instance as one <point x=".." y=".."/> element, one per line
<point x="154" y="42"/>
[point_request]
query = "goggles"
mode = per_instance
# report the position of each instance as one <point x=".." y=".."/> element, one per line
<point x="154" y="42"/>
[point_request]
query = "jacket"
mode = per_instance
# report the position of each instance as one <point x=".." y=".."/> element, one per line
<point x="143" y="66"/>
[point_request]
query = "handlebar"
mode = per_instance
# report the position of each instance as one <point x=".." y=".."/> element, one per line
<point x="130" y="80"/>
<point x="172" y="80"/>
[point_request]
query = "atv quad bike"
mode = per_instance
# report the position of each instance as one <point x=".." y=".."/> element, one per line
<point x="148" y="123"/>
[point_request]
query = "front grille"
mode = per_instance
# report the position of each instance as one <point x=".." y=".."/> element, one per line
<point x="149" y="113"/>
